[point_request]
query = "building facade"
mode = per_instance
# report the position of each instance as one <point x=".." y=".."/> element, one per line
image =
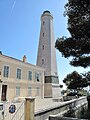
<point x="20" y="79"/>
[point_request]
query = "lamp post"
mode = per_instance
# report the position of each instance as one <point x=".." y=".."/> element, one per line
<point x="1" y="93"/>
<point x="0" y="84"/>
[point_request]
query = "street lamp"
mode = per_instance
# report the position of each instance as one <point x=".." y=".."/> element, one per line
<point x="1" y="83"/>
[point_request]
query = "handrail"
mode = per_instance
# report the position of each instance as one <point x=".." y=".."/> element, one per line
<point x="18" y="114"/>
<point x="18" y="111"/>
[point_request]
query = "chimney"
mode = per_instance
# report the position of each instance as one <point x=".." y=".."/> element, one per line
<point x="24" y="58"/>
<point x="0" y="52"/>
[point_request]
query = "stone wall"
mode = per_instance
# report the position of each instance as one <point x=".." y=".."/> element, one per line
<point x="62" y="118"/>
<point x="60" y="109"/>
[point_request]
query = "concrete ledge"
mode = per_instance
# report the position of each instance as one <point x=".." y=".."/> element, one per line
<point x="62" y="118"/>
<point x="67" y="98"/>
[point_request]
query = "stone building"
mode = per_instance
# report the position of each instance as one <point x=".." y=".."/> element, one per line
<point x="20" y="79"/>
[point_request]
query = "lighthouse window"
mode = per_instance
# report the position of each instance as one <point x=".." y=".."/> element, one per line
<point x="43" y="47"/>
<point x="43" y="22"/>
<point x="42" y="61"/>
<point x="43" y="34"/>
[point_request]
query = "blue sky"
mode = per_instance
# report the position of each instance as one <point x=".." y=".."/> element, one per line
<point x="20" y="29"/>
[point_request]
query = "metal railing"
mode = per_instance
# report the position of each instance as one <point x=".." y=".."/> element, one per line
<point x="19" y="113"/>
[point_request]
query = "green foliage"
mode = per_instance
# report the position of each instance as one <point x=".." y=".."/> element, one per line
<point x="63" y="92"/>
<point x="87" y="76"/>
<point x="61" y="86"/>
<point x="84" y="113"/>
<point x="70" y="112"/>
<point x="75" y="81"/>
<point x="78" y="45"/>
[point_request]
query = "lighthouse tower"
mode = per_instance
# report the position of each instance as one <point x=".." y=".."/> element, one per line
<point x="46" y="57"/>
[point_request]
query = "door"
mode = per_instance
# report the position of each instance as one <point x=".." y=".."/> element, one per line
<point x="4" y="92"/>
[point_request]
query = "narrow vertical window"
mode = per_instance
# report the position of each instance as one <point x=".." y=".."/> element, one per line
<point x="43" y="34"/>
<point x="29" y="91"/>
<point x="37" y="91"/>
<point x="18" y="73"/>
<point x="17" y="91"/>
<point x="29" y="75"/>
<point x="6" y="71"/>
<point x="37" y="77"/>
<point x="43" y="22"/>
<point x="42" y="61"/>
<point x="43" y="47"/>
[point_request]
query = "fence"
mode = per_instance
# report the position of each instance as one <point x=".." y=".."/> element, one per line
<point x="19" y="113"/>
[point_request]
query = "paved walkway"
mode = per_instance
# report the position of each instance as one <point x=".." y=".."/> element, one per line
<point x="42" y="104"/>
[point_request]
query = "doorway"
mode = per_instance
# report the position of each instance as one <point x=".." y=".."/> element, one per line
<point x="4" y="92"/>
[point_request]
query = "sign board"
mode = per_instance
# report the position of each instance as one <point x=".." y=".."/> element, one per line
<point x="12" y="108"/>
<point x="1" y="111"/>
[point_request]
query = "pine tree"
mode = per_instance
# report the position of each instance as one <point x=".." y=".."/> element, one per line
<point x="78" y="44"/>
